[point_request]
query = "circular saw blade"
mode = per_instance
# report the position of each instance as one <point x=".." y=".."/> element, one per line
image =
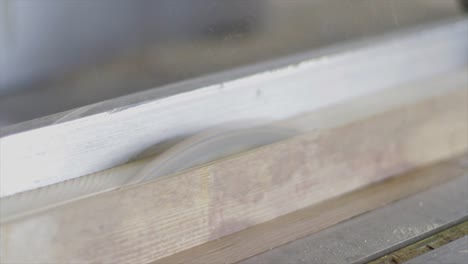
<point x="210" y="146"/>
<point x="194" y="151"/>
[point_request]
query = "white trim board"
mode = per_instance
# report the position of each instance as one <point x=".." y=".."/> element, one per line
<point x="66" y="150"/>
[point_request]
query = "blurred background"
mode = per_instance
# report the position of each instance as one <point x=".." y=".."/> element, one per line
<point x="56" y="55"/>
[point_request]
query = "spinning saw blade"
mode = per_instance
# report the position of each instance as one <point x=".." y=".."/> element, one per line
<point x="197" y="150"/>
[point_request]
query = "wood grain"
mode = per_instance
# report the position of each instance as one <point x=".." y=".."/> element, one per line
<point x="287" y="228"/>
<point x="150" y="221"/>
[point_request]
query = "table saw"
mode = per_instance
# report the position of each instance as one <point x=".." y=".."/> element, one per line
<point x="315" y="132"/>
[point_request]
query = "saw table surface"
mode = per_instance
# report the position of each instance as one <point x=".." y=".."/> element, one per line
<point x="438" y="214"/>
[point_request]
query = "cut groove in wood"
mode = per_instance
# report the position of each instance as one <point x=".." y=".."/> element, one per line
<point x="150" y="221"/>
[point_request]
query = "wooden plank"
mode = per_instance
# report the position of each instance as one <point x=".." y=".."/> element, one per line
<point x="150" y="221"/>
<point x="287" y="228"/>
<point x="329" y="117"/>
<point x="108" y="134"/>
